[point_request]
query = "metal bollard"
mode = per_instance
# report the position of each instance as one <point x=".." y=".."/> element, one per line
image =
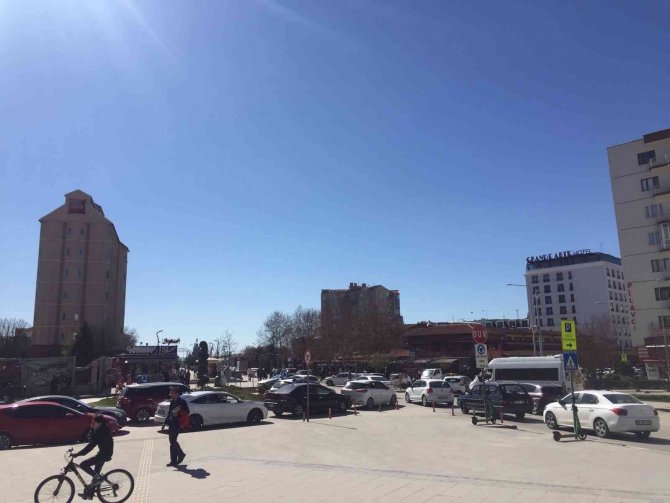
<point x="397" y="405"/>
<point x="452" y="409"/>
<point x="433" y="405"/>
<point x="380" y="406"/>
<point x="304" y="416"/>
<point x="330" y="413"/>
<point x="355" y="410"/>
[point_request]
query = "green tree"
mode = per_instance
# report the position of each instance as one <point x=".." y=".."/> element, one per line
<point x="84" y="346"/>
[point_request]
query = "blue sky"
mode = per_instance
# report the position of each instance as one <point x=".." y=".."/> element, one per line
<point x="252" y="153"/>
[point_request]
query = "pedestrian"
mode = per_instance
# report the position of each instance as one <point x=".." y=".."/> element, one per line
<point x="102" y="438"/>
<point x="178" y="406"/>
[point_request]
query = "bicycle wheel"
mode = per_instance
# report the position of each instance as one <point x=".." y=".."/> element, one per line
<point x="55" y="488"/>
<point x="117" y="486"/>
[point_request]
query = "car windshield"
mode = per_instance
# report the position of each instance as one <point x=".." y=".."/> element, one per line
<point x="438" y="384"/>
<point x="513" y="389"/>
<point x="377" y="378"/>
<point x="530" y="388"/>
<point x="453" y="380"/>
<point x="621" y="398"/>
<point x="553" y="391"/>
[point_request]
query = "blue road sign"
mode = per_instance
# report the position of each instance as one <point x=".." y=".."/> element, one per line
<point x="570" y="361"/>
<point x="480" y="348"/>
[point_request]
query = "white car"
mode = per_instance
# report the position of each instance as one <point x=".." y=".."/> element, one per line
<point x="399" y="379"/>
<point x="431" y="374"/>
<point x="296" y="379"/>
<point x="369" y="393"/>
<point x="604" y="412"/>
<point x="373" y="377"/>
<point x="428" y="391"/>
<point x="208" y="408"/>
<point x="340" y="379"/>
<point x="459" y="384"/>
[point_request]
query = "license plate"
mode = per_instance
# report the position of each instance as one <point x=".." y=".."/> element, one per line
<point x="518" y="402"/>
<point x="643" y="422"/>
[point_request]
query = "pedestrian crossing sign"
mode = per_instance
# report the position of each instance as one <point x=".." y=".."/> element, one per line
<point x="570" y="361"/>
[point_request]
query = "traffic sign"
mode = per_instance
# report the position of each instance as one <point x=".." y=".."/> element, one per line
<point x="481" y="356"/>
<point x="479" y="334"/>
<point x="308" y="357"/>
<point x="568" y="335"/>
<point x="570" y="361"/>
<point x="624" y="358"/>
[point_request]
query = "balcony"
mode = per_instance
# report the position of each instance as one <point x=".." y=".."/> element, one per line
<point x="658" y="163"/>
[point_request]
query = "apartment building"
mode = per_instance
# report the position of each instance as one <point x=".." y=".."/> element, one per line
<point x="358" y="302"/>
<point x="81" y="274"/>
<point x="640" y="178"/>
<point x="580" y="286"/>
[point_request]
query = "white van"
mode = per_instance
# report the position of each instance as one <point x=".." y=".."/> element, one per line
<point x="543" y="370"/>
<point x="432" y="374"/>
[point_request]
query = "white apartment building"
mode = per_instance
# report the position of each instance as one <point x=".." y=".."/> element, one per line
<point x="579" y="286"/>
<point x="640" y="177"/>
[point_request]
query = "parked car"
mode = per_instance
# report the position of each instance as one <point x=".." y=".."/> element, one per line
<point x="432" y="374"/>
<point x="340" y="379"/>
<point x="296" y="379"/>
<point x="301" y="373"/>
<point x="293" y="399"/>
<point x="266" y="384"/>
<point x="507" y="398"/>
<point x="458" y="384"/>
<point x="208" y="408"/>
<point x="369" y="393"/>
<point x="428" y="391"/>
<point x="75" y="404"/>
<point x="400" y="380"/>
<point x="373" y="377"/>
<point x="252" y="373"/>
<point x="29" y="423"/>
<point x="604" y="412"/>
<point x="542" y="395"/>
<point x="140" y="401"/>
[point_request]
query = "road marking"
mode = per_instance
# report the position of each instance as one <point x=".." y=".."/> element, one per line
<point x="144" y="473"/>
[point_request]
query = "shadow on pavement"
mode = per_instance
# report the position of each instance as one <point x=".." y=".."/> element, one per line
<point x="196" y="473"/>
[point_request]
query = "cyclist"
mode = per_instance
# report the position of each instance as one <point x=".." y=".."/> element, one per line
<point x="102" y="438"/>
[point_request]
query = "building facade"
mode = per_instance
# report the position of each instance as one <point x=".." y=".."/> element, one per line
<point x="579" y="286"/>
<point x="81" y="274"/>
<point x="640" y="178"/>
<point x="358" y="302"/>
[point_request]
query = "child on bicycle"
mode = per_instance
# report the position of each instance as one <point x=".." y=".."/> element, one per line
<point x="102" y="438"/>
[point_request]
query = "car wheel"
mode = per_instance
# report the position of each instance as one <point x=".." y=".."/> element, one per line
<point x="255" y="416"/>
<point x="329" y="383"/>
<point x="536" y="409"/>
<point x="370" y="403"/>
<point x="195" y="421"/>
<point x="393" y="401"/>
<point x="638" y="434"/>
<point x="142" y="415"/>
<point x="5" y="441"/>
<point x="551" y="422"/>
<point x="519" y="416"/>
<point x="424" y="401"/>
<point x="277" y="411"/>
<point x="600" y="428"/>
<point x="464" y="409"/>
<point x="407" y="399"/>
<point x="298" y="410"/>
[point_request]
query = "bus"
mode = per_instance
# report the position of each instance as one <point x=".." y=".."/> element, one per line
<point x="543" y="370"/>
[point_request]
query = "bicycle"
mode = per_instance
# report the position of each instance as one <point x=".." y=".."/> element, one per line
<point x="116" y="485"/>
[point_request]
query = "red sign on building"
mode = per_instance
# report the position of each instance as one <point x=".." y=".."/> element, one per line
<point x="76" y="206"/>
<point x="479" y="334"/>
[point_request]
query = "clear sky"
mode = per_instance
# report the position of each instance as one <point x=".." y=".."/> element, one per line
<point x="251" y="153"/>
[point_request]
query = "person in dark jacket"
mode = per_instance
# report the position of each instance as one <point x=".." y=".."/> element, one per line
<point x="102" y="438"/>
<point x="177" y="406"/>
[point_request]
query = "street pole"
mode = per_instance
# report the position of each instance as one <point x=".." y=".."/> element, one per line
<point x="157" y="339"/>
<point x="667" y="360"/>
<point x="539" y="339"/>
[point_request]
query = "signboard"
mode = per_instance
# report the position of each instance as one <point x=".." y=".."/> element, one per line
<point x="570" y="361"/>
<point x="653" y="372"/>
<point x="76" y="206"/>
<point x="481" y="356"/>
<point x="479" y="334"/>
<point x="568" y="335"/>
<point x="308" y="358"/>
<point x="624" y="358"/>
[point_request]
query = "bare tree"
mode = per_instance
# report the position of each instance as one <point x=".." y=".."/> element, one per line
<point x="276" y="331"/>
<point x="8" y="326"/>
<point x="14" y="342"/>
<point x="596" y="343"/>
<point x="129" y="338"/>
<point x="305" y="330"/>
<point x="226" y="344"/>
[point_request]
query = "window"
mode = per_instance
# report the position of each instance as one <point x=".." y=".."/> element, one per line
<point x="561" y="299"/>
<point x="607" y="270"/>
<point x="67" y="252"/>
<point x="550" y="311"/>
<point x="547" y="299"/>
<point x="69" y="230"/>
<point x="67" y="273"/>
<point x="561" y="287"/>
<point x="574" y="309"/>
<point x="588" y="398"/>
<point x="550" y="322"/>
<point x="618" y="275"/>
<point x="79" y="273"/>
<point x="81" y="252"/>
<point x="62" y="317"/>
<point x="81" y="231"/>
<point x="645" y="157"/>
<point x="662" y="293"/>
<point x="106" y="295"/>
<point x="107" y="274"/>
<point x="665" y="234"/>
<point x="534" y="279"/>
<point x="660" y="265"/>
<point x="536" y="290"/>
<point x="569" y="274"/>
<point x="563" y="310"/>
<point x="609" y="283"/>
<point x="653" y="210"/>
<point x="547" y="288"/>
<point x="654" y="238"/>
<point x="649" y="183"/>
<point x="572" y="297"/>
<point x="65" y="294"/>
<point x="526" y="374"/>
<point x="571" y="287"/>
<point x="545" y="278"/>
<point x="664" y="322"/>
<point x="559" y="276"/>
<point x="76" y="316"/>
<point x="610" y="294"/>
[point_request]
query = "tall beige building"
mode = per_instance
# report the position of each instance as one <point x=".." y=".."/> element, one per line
<point x="81" y="274"/>
<point x="640" y="176"/>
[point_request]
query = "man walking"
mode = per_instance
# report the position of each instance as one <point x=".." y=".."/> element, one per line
<point x="178" y="406"/>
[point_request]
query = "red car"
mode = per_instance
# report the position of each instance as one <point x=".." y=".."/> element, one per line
<point x="45" y="422"/>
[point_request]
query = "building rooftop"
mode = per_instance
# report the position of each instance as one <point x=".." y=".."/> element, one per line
<point x="568" y="258"/>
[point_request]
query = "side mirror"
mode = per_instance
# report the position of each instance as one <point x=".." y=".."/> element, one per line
<point x="561" y="402"/>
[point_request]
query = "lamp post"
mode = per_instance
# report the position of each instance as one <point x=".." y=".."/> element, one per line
<point x="157" y="339"/>
<point x="534" y="323"/>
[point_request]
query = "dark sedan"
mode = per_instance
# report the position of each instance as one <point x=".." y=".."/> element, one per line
<point x="507" y="398"/>
<point x="293" y="398"/>
<point x="542" y="395"/>
<point x="80" y="406"/>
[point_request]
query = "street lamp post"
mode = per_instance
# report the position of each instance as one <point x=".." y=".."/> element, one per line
<point x="533" y="321"/>
<point x="157" y="339"/>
